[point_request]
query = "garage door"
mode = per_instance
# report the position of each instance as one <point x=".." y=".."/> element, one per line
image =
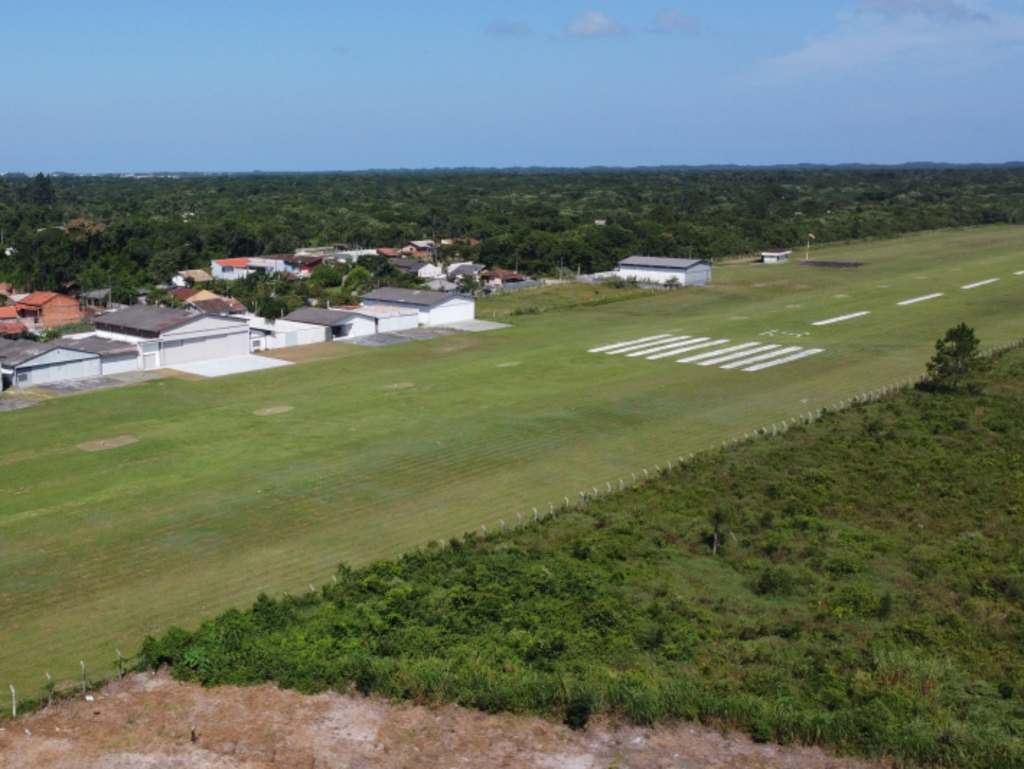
<point x="205" y="348"/>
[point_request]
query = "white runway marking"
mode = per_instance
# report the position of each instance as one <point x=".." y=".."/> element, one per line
<point x="766" y="356"/>
<point x="645" y="345"/>
<point x="919" y="299"/>
<point x="735" y="355"/>
<point x="678" y="343"/>
<point x="840" y="318"/>
<point x="691" y="345"/>
<point x="787" y="359"/>
<point x="1019" y="273"/>
<point x="627" y="344"/>
<point x="713" y="353"/>
<point x="982" y="283"/>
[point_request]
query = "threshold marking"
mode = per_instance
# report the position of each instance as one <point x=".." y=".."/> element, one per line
<point x="766" y="356"/>
<point x="645" y="345"/>
<point x="787" y="359"/>
<point x="982" y="283"/>
<point x="670" y="346"/>
<point x="626" y="344"/>
<point x="919" y="299"/>
<point x="735" y="355"/>
<point x="689" y="347"/>
<point x="841" y="318"/>
<point x="713" y="353"/>
<point x="693" y="344"/>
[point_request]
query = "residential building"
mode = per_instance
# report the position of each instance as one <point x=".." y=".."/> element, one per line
<point x="44" y="309"/>
<point x="422" y="270"/>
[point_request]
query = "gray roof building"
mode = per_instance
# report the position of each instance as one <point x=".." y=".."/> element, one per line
<point x="405" y="296"/>
<point x="14" y="352"/>
<point x="319" y="316"/>
<point x="105" y="348"/>
<point x="142" y="320"/>
<point x="663" y="262"/>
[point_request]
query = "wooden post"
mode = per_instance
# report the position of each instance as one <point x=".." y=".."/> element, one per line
<point x="83" y="675"/>
<point x="14" y="702"/>
<point x="120" y="673"/>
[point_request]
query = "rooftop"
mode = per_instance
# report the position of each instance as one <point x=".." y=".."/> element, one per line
<point x="661" y="261"/>
<point x="319" y="316"/>
<point x="141" y="317"/>
<point x="407" y="296"/>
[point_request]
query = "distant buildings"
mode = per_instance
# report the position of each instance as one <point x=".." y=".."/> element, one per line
<point x="665" y="270"/>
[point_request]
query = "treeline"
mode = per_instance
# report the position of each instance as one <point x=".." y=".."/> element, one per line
<point x="867" y="593"/>
<point x="129" y="233"/>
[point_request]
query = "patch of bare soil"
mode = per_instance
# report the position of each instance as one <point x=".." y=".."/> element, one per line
<point x="769" y="283"/>
<point x="274" y="410"/>
<point x="508" y="365"/>
<point x="739" y="317"/>
<point x="146" y="721"/>
<point x="399" y="386"/>
<point x="110" y="443"/>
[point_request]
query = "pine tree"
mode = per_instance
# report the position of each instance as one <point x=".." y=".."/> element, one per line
<point x="956" y="361"/>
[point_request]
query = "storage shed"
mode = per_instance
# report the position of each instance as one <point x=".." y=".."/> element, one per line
<point x="276" y="335"/>
<point x="434" y="308"/>
<point x="115" y="357"/>
<point x="775" y="255"/>
<point x="661" y="270"/>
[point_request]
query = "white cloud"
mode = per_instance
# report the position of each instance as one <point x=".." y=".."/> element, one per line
<point x="594" y="24"/>
<point x="509" y="28"/>
<point x="919" y="40"/>
<point x="668" y="22"/>
<point x="938" y="9"/>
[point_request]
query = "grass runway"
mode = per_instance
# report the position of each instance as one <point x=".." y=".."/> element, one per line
<point x="226" y="492"/>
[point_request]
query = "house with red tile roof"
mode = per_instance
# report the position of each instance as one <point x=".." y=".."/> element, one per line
<point x="232" y="269"/>
<point x="44" y="309"/>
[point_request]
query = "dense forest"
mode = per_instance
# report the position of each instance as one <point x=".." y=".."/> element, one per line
<point x="131" y="232"/>
<point x="855" y="582"/>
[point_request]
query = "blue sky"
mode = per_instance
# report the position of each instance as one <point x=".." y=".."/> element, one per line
<point x="241" y="85"/>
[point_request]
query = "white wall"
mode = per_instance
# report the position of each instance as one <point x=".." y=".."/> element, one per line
<point x="453" y="311"/>
<point x="118" y="364"/>
<point x="695" y="276"/>
<point x="398" y="323"/>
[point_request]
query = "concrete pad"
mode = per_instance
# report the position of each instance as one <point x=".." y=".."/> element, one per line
<point x="376" y="340"/>
<point x="474" y="326"/>
<point x="10" y="404"/>
<point x="75" y="386"/>
<point x="241" y="364"/>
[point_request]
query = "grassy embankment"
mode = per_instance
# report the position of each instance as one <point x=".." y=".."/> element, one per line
<point x="386" y="449"/>
<point x="868" y="594"/>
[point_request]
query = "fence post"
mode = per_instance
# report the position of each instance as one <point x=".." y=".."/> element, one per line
<point x="14" y="702"/>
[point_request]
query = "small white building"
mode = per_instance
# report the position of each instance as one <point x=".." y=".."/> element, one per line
<point x="27" y="364"/>
<point x="174" y="337"/>
<point x="278" y="334"/>
<point x="115" y="357"/>
<point x="776" y="255"/>
<point x="662" y="270"/>
<point x="434" y="308"/>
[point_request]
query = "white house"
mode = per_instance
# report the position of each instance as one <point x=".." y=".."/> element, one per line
<point x="419" y="268"/>
<point x="174" y="337"/>
<point x="660" y="269"/>
<point x="434" y="308"/>
<point x="231" y="269"/>
<point x="775" y="256"/>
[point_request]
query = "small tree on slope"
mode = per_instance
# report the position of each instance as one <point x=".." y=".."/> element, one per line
<point x="956" y="361"/>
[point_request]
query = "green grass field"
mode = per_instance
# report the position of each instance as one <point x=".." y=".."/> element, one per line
<point x="386" y="449"/>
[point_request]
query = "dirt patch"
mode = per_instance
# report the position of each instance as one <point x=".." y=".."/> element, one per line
<point x="793" y="306"/>
<point x="274" y="410"/>
<point x="739" y="317"/>
<point x="834" y="265"/>
<point x="399" y="386"/>
<point x="801" y="287"/>
<point x="109" y="443"/>
<point x="508" y="365"/>
<point x="769" y="283"/>
<point x="840" y="296"/>
<point x="146" y="721"/>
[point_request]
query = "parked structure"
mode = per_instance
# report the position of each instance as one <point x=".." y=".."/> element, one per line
<point x="662" y="270"/>
<point x="776" y="256"/>
<point x="174" y="337"/>
<point x="434" y="308"/>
